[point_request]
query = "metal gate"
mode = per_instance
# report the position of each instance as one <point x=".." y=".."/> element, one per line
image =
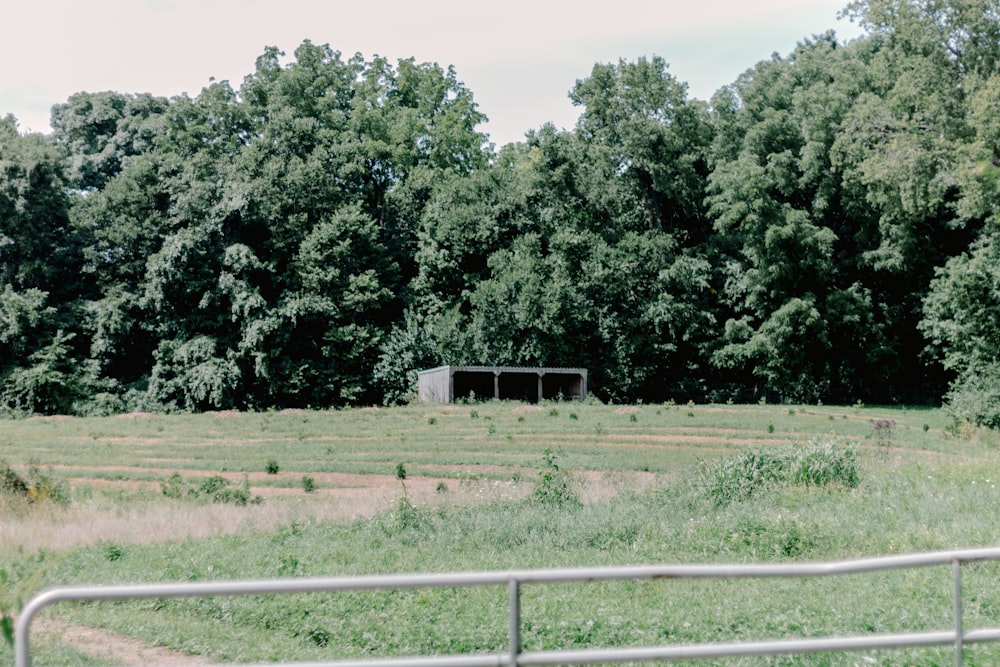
<point x="515" y="580"/>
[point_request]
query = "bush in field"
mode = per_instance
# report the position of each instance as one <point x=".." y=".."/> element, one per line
<point x="308" y="484"/>
<point x="215" y="488"/>
<point x="742" y="476"/>
<point x="12" y="484"/>
<point x="36" y="488"/>
<point x="975" y="397"/>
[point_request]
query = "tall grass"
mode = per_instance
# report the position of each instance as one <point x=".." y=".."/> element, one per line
<point x="667" y="525"/>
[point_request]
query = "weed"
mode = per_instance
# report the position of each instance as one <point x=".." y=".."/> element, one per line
<point x="401" y="476"/>
<point x="113" y="552"/>
<point x="633" y="418"/>
<point x="770" y="427"/>
<point x="432" y="420"/>
<point x="553" y="412"/>
<point x="272" y="467"/>
<point x="882" y="432"/>
<point x="554" y="485"/>
<point x="573" y="416"/>
<point x="407" y="515"/>
<point x="474" y="414"/>
<point x="319" y="637"/>
<point x="288" y="566"/>
<point x="173" y="487"/>
<point x="308" y="484"/>
<point x="441" y="487"/>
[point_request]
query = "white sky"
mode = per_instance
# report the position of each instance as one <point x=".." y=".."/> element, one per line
<point x="519" y="57"/>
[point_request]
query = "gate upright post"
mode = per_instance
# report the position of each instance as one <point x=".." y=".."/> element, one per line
<point x="956" y="568"/>
<point x="514" y="646"/>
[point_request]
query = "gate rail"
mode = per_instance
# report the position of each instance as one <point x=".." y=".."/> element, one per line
<point x="515" y="579"/>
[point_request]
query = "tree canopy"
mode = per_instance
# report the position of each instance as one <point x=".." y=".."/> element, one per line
<point x="823" y="229"/>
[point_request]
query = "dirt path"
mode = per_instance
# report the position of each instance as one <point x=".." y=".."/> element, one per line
<point x="112" y="647"/>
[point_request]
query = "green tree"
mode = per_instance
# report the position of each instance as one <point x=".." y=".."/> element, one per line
<point x="834" y="196"/>
<point x="40" y="279"/>
<point x="962" y="326"/>
<point x="645" y="147"/>
<point x="102" y="131"/>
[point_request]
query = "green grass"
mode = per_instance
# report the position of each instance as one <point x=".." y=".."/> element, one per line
<point x="916" y="489"/>
<point x="365" y="441"/>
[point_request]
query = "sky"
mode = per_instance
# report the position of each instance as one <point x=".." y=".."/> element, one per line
<point x="519" y="58"/>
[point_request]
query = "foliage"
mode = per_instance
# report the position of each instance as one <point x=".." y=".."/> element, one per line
<point x="974" y="396"/>
<point x="962" y="326"/>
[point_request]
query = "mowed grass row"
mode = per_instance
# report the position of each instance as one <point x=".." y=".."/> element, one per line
<point x="646" y="438"/>
<point x="921" y="485"/>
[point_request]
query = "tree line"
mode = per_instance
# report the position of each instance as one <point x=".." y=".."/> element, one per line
<point x="822" y="229"/>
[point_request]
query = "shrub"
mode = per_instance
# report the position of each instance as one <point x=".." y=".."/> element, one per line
<point x="308" y="484"/>
<point x="215" y="488"/>
<point x="975" y="397"/>
<point x="36" y="488"/>
<point x="42" y="487"/>
<point x="272" y="467"/>
<point x="11" y="483"/>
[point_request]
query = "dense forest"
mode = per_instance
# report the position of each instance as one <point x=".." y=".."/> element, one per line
<point x="823" y="229"/>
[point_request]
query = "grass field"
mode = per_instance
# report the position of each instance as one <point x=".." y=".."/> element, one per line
<point x="222" y="496"/>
